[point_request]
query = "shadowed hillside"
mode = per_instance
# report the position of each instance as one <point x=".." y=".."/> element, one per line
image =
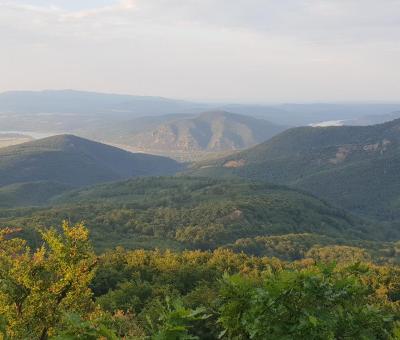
<point x="354" y="167"/>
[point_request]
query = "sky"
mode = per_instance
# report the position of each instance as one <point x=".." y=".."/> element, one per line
<point x="259" y="51"/>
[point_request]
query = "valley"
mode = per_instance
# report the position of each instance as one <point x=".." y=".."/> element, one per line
<point x="249" y="195"/>
<point x="188" y="212"/>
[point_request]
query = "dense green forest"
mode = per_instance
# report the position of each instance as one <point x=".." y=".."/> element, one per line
<point x="201" y="213"/>
<point x="62" y="290"/>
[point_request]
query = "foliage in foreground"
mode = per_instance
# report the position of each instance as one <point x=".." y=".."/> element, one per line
<point x="37" y="287"/>
<point x="63" y="291"/>
<point x="314" y="303"/>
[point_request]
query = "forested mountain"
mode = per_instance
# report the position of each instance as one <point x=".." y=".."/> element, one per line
<point x="213" y="131"/>
<point x="76" y="161"/>
<point x="354" y="167"/>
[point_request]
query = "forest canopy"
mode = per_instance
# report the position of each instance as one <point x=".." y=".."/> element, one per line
<point x="62" y="288"/>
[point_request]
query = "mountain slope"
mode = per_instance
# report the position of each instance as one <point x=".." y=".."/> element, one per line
<point x="213" y="131"/>
<point x="76" y="161"/>
<point x="30" y="194"/>
<point x="354" y="167"/>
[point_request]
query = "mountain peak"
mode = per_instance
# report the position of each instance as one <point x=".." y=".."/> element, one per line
<point x="216" y="113"/>
<point x="62" y="142"/>
<point x="76" y="161"/>
<point x="210" y="131"/>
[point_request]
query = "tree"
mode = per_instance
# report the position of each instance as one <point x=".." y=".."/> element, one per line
<point x="175" y="321"/>
<point x="313" y="303"/>
<point x="38" y="287"/>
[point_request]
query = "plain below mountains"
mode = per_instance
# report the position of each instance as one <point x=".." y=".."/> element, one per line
<point x="7" y="139"/>
<point x="72" y="161"/>
<point x="354" y="167"/>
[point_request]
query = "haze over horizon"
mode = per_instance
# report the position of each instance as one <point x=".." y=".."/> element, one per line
<point x="241" y="51"/>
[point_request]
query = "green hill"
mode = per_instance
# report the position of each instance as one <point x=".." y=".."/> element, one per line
<point x="76" y="161"/>
<point x="193" y="213"/>
<point x="352" y="166"/>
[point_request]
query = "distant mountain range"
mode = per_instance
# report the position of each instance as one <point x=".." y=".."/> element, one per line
<point x="57" y="111"/>
<point x="73" y="161"/>
<point x="354" y="167"/>
<point x="93" y="103"/>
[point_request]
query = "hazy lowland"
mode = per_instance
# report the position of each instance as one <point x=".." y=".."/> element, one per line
<point x="126" y="217"/>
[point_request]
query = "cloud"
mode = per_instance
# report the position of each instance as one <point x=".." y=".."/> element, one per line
<point x="321" y="21"/>
<point x="202" y="47"/>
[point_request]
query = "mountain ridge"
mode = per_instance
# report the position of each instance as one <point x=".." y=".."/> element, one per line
<point x="353" y="167"/>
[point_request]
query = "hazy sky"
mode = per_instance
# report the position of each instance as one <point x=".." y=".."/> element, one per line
<point x="227" y="50"/>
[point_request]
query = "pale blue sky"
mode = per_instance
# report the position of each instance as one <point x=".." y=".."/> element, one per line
<point x="235" y="50"/>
